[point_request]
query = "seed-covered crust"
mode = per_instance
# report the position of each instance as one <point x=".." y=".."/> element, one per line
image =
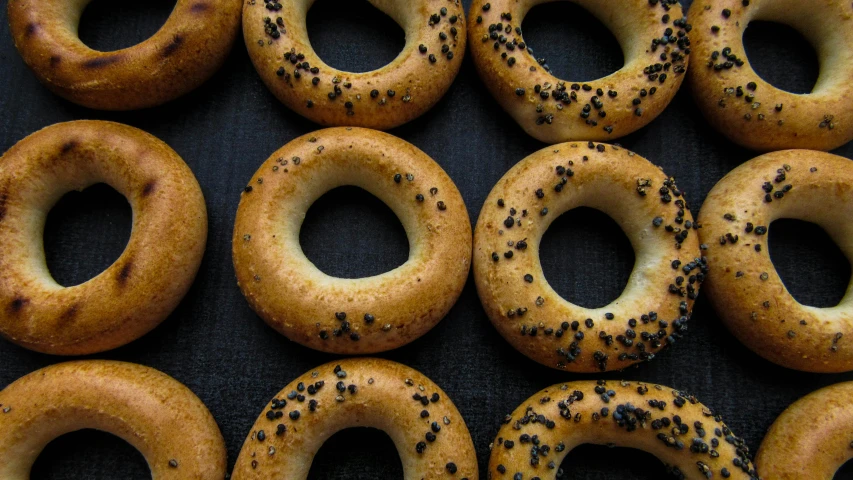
<point x="743" y="284"/>
<point x="655" y="306"/>
<point x="361" y="315"/>
<point x="427" y="429"/>
<point x="654" y="38"/>
<point x="751" y="111"/>
<point x="277" y="39"/>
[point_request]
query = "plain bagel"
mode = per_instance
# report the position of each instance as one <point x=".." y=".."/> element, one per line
<point x="277" y="39"/>
<point x="743" y="284"/>
<point x="155" y="413"/>
<point x="754" y="113"/>
<point x="144" y="285"/>
<point x="361" y="315"/>
<point x="427" y="429"/>
<point x="672" y="425"/>
<point x="185" y="52"/>
<point x="812" y="438"/>
<point x="653" y="36"/>
<point x="656" y="304"/>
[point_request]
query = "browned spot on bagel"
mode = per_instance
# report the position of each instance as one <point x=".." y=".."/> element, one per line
<point x="4" y="197"/>
<point x="18" y="304"/>
<point x="54" y="60"/>
<point x="173" y="46"/>
<point x="69" y="314"/>
<point x="101" y="61"/>
<point x="68" y="146"/>
<point x="199" y="7"/>
<point x="124" y="274"/>
<point x="31" y="29"/>
<point x="149" y="187"/>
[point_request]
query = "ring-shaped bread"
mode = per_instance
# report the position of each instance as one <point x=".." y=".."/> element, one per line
<point x="672" y="425"/>
<point x="812" y="438"/>
<point x="750" y="111"/>
<point x="360" y="315"/>
<point x="742" y="282"/>
<point x="148" y="280"/>
<point x="654" y="41"/>
<point x="277" y="39"/>
<point x="427" y="429"/>
<point x="148" y="409"/>
<point x="186" y="51"/>
<point x="656" y="304"/>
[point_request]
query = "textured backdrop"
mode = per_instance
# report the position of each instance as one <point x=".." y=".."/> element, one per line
<point x="224" y="130"/>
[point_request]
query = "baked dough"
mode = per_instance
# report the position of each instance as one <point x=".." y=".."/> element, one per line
<point x="360" y="315"/>
<point x="148" y="280"/>
<point x="655" y="306"/>
<point x="743" y="284"/>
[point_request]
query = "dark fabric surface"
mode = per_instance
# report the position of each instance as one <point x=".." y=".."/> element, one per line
<point x="224" y="130"/>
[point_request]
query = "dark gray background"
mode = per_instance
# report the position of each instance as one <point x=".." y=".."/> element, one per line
<point x="224" y="130"/>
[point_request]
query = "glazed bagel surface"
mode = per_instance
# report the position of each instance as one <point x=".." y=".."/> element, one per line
<point x="150" y="410"/>
<point x="742" y="282"/>
<point x="186" y="51"/>
<point x="427" y="429"/>
<point x="277" y="39"/>
<point x="361" y="315"/>
<point x="688" y="437"/>
<point x="656" y="304"/>
<point x="142" y="287"/>
<point x="750" y="111"/>
<point x="655" y="44"/>
<point x="812" y="438"/>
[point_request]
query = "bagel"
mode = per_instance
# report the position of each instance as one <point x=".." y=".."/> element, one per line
<point x="427" y="429"/>
<point x="185" y="52"/>
<point x="362" y="315"/>
<point x="812" y="438"/>
<point x="685" y="435"/>
<point x="654" y="307"/>
<point x="144" y="285"/>
<point x="753" y="113"/>
<point x="277" y="39"/>
<point x="654" y="40"/>
<point x="148" y="409"/>
<point x="743" y="284"/>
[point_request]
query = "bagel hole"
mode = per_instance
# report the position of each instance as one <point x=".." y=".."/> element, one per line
<point x="349" y="233"/>
<point x="85" y="233"/>
<point x="90" y="454"/>
<point x="353" y="35"/>
<point x="586" y="257"/>
<point x="589" y="462"/>
<point x="107" y="25"/>
<point x="812" y="267"/>
<point x="781" y="56"/>
<point x="357" y="453"/>
<point x="845" y="472"/>
<point x="549" y="29"/>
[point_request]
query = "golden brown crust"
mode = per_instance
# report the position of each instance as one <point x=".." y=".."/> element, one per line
<point x="743" y="284"/>
<point x="144" y="285"/>
<point x="655" y="305"/>
<point x="159" y="416"/>
<point x="427" y="429"/>
<point x="363" y="315"/>
<point x="687" y="436"/>
<point x="554" y="110"/>
<point x="277" y="40"/>
<point x="185" y="52"/>
<point x="754" y="113"/>
<point x="811" y="439"/>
